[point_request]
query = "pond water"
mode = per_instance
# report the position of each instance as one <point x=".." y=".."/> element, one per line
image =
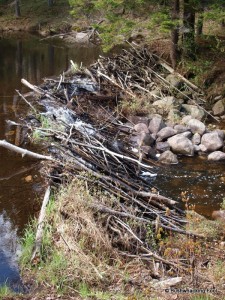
<point x="26" y="57"/>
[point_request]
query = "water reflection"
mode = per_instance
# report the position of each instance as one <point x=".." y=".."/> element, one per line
<point x="9" y="251"/>
<point x="24" y="57"/>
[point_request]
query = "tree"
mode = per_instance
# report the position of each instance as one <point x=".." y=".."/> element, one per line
<point x="174" y="49"/>
<point x="17" y="8"/>
<point x="50" y="3"/>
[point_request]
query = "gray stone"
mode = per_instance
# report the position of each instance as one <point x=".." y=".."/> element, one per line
<point x="82" y="37"/>
<point x="149" y="151"/>
<point x="137" y="119"/>
<point x="162" y="146"/>
<point x="196" y="126"/>
<point x="186" y="119"/>
<point x="216" y="155"/>
<point x="174" y="115"/>
<point x="165" y="133"/>
<point x="141" y="127"/>
<point x="194" y="111"/>
<point x="142" y="139"/>
<point x="197" y="148"/>
<point x="218" y="108"/>
<point x="212" y="141"/>
<point x="181" y="144"/>
<point x="164" y="105"/>
<point x="221" y="133"/>
<point x="174" y="80"/>
<point x="202" y="148"/>
<point x="181" y="128"/>
<point x="156" y="124"/>
<point x="168" y="157"/>
<point x="186" y="134"/>
<point x="196" y="139"/>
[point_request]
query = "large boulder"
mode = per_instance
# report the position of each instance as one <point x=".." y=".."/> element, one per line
<point x="156" y="124"/>
<point x="168" y="157"/>
<point x="216" y="156"/>
<point x="219" y="108"/>
<point x="212" y="141"/>
<point x="196" y="126"/>
<point x="181" y="144"/>
<point x="194" y="111"/>
<point x="165" y="133"/>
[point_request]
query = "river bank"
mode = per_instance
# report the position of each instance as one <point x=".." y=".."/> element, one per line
<point x="80" y="201"/>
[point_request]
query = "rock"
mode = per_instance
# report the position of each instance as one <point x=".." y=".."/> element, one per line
<point x="212" y="141"/>
<point x="181" y="144"/>
<point x="168" y="157"/>
<point x="186" y="134"/>
<point x="162" y="146"/>
<point x="165" y="133"/>
<point x="219" y="215"/>
<point x="196" y="126"/>
<point x="137" y="119"/>
<point x="194" y="111"/>
<point x="82" y="37"/>
<point x="202" y="148"/>
<point x="196" y="139"/>
<point x="156" y="124"/>
<point x="174" y="115"/>
<point x="174" y="80"/>
<point x="220" y="133"/>
<point x="218" y="108"/>
<point x="186" y="119"/>
<point x="142" y="139"/>
<point x="164" y="105"/>
<point x="197" y="148"/>
<point x="216" y="155"/>
<point x="141" y="127"/>
<point x="180" y="128"/>
<point x="149" y="151"/>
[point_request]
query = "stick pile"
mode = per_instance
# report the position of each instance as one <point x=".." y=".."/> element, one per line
<point x="94" y="151"/>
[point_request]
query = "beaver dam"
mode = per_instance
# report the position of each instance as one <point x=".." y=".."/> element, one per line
<point x="91" y="137"/>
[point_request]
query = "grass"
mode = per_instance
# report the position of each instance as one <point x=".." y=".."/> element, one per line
<point x="5" y="291"/>
<point x="79" y="259"/>
<point x="77" y="255"/>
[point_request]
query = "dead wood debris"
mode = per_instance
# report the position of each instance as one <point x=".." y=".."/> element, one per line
<point x="81" y="144"/>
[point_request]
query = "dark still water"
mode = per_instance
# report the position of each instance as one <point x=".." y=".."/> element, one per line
<point x="20" y="184"/>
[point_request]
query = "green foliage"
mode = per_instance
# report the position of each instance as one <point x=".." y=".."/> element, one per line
<point x="5" y="291"/>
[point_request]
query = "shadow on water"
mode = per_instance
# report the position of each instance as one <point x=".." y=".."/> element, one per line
<point x="20" y="183"/>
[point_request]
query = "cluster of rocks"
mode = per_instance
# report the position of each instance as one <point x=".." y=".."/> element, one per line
<point x="158" y="140"/>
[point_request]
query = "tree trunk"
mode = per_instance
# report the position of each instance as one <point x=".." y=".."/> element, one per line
<point x="189" y="28"/>
<point x="223" y="23"/>
<point x="174" y="51"/>
<point x="200" y="25"/>
<point x="50" y="3"/>
<point x="17" y="9"/>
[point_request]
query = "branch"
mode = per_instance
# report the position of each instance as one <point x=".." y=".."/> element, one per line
<point x="40" y="226"/>
<point x="24" y="152"/>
